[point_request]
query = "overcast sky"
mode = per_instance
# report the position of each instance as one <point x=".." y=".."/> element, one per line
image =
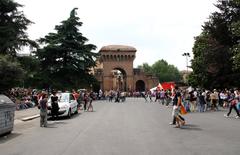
<point x="158" y="29"/>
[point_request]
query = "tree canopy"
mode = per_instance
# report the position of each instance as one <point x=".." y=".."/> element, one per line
<point x="13" y="36"/>
<point x="11" y="73"/>
<point x="31" y="68"/>
<point x="164" y="71"/>
<point x="13" y="26"/>
<point x="65" y="58"/>
<point x="63" y="61"/>
<point x="216" y="49"/>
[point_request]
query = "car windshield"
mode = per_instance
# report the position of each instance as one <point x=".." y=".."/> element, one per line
<point x="64" y="97"/>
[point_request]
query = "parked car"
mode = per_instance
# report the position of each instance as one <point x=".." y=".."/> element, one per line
<point x="68" y="105"/>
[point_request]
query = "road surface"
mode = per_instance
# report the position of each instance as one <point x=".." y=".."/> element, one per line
<point x="134" y="127"/>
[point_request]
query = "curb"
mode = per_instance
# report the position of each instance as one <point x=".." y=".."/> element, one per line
<point x="30" y="118"/>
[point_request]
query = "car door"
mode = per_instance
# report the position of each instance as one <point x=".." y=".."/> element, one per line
<point x="73" y="103"/>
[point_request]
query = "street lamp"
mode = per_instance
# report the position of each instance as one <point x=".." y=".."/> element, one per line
<point x="186" y="55"/>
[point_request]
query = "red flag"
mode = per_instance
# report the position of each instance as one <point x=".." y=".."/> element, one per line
<point x="183" y="110"/>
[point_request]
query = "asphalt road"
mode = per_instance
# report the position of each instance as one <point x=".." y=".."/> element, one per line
<point x="131" y="128"/>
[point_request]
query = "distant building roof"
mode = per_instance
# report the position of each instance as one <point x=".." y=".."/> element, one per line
<point x="117" y="48"/>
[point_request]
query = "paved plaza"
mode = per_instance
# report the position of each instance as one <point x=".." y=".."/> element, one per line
<point x="134" y="127"/>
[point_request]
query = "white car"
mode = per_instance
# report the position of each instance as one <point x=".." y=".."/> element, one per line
<point x="67" y="105"/>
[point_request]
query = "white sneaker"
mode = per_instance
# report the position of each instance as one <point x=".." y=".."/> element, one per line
<point x="225" y="115"/>
<point x="171" y="123"/>
<point x="237" y="117"/>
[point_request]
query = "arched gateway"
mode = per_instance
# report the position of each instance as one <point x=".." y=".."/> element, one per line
<point x="115" y="70"/>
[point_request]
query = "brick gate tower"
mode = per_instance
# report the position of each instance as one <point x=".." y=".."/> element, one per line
<point x="115" y="70"/>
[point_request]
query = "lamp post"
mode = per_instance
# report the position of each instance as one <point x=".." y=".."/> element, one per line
<point x="186" y="55"/>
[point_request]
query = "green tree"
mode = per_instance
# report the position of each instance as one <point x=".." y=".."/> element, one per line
<point x="236" y="48"/>
<point x="31" y="69"/>
<point x="216" y="48"/>
<point x="211" y="62"/>
<point x="146" y="67"/>
<point x="235" y="31"/>
<point x="66" y="59"/>
<point x="13" y="26"/>
<point x="164" y="71"/>
<point x="11" y="73"/>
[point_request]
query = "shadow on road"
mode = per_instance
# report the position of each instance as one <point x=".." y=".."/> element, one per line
<point x="209" y="111"/>
<point x="91" y="111"/>
<point x="64" y="117"/>
<point x="74" y="116"/>
<point x="7" y="137"/>
<point x="54" y="124"/>
<point x="191" y="127"/>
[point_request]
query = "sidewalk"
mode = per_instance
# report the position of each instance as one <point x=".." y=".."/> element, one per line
<point x="26" y="114"/>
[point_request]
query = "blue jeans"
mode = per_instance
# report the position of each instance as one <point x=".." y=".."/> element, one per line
<point x="202" y="108"/>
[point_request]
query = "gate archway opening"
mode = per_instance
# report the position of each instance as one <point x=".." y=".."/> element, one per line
<point x="140" y="86"/>
<point x="119" y="79"/>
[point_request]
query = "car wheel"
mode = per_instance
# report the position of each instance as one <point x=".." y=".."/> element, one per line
<point x="69" y="113"/>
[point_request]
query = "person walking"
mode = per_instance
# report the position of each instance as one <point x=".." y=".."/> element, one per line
<point x="208" y="101"/>
<point x="85" y="99"/>
<point x="77" y="97"/>
<point x="202" y="101"/>
<point x="168" y="97"/>
<point x="55" y="107"/>
<point x="214" y="100"/>
<point x="117" y="99"/>
<point x="150" y="95"/>
<point x="111" y="94"/>
<point x="157" y="96"/>
<point x="43" y="110"/>
<point x="91" y="98"/>
<point x="193" y="101"/>
<point x="144" y="95"/>
<point x="162" y="97"/>
<point x="177" y="118"/>
<point x="233" y="104"/>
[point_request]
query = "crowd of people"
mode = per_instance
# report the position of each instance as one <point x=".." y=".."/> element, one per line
<point x="197" y="100"/>
<point x="29" y="98"/>
<point x="24" y="98"/>
<point x="193" y="100"/>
